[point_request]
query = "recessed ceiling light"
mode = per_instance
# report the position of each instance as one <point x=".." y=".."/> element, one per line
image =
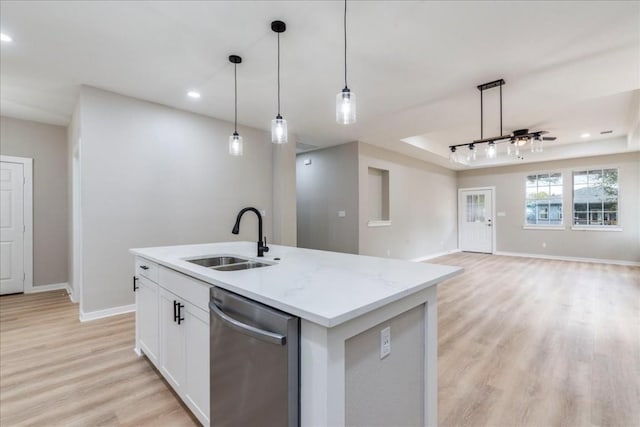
<point x="585" y="135"/>
<point x="193" y="94"/>
<point x="5" y="38"/>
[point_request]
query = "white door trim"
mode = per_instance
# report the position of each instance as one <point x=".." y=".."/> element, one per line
<point x="27" y="164"/>
<point x="493" y="215"/>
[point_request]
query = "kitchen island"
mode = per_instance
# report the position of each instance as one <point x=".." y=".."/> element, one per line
<point x="343" y="301"/>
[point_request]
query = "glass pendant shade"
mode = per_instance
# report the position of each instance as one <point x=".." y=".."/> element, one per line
<point x="235" y="144"/>
<point x="453" y="157"/>
<point x="279" y="130"/>
<point x="491" y="150"/>
<point x="346" y="107"/>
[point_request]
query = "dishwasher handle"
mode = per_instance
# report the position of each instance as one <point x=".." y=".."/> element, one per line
<point x="252" y="331"/>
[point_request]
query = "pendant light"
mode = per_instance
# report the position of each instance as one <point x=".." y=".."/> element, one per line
<point x="235" y="140"/>
<point x="278" y="125"/>
<point x="345" y="100"/>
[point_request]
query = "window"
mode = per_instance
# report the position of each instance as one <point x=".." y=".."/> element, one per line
<point x="595" y="197"/>
<point x="544" y="199"/>
<point x="475" y="208"/>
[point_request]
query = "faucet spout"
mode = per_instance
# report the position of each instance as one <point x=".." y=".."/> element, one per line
<point x="262" y="246"/>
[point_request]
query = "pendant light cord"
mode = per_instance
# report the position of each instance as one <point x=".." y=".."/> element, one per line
<point x="235" y="84"/>
<point x="345" y="44"/>
<point x="278" y="74"/>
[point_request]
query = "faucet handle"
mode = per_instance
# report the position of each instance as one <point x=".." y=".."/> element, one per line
<point x="265" y="248"/>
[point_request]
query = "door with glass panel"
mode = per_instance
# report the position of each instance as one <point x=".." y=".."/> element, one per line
<point x="475" y="208"/>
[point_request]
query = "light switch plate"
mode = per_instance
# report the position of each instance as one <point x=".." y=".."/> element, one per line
<point x="342" y="214"/>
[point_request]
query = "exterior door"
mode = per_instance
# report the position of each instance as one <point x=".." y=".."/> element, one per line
<point x="476" y="220"/>
<point x="11" y="228"/>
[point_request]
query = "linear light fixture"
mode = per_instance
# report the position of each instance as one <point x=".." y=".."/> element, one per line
<point x="518" y="138"/>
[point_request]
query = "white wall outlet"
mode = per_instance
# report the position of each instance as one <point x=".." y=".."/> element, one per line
<point x="544" y="244"/>
<point x="385" y="342"/>
<point x="307" y="162"/>
<point x="342" y="214"/>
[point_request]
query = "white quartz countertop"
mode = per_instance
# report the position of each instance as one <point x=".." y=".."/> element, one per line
<point x="327" y="288"/>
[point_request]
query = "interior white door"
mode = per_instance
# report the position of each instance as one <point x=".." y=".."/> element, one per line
<point x="476" y="220"/>
<point x="11" y="228"/>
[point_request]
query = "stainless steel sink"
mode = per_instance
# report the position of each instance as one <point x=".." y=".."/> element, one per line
<point x="217" y="261"/>
<point x="227" y="263"/>
<point x="242" y="266"/>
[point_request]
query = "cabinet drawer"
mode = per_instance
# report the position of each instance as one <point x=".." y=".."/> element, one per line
<point x="190" y="289"/>
<point x="147" y="269"/>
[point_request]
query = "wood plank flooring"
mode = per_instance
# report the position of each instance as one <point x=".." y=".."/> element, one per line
<point x="522" y="342"/>
<point x="530" y="342"/>
<point x="56" y="371"/>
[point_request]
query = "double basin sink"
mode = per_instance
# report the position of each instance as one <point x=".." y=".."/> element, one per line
<point x="228" y="263"/>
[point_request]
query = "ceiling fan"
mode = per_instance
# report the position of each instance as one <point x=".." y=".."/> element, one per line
<point x="517" y="138"/>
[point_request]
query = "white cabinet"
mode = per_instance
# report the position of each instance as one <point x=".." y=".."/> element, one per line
<point x="172" y="350"/>
<point x="172" y="329"/>
<point x="147" y="318"/>
<point x="197" y="363"/>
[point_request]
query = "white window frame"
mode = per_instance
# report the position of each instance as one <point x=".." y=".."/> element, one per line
<point x="557" y="227"/>
<point x="583" y="227"/>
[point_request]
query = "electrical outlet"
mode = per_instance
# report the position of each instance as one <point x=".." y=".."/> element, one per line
<point x="342" y="214"/>
<point x="385" y="342"/>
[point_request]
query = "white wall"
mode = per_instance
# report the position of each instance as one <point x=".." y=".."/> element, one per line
<point x="46" y="145"/>
<point x="422" y="207"/>
<point x="153" y="175"/>
<point x="328" y="185"/>
<point x="510" y="198"/>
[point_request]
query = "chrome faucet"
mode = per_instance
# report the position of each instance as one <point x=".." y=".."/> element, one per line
<point x="262" y="247"/>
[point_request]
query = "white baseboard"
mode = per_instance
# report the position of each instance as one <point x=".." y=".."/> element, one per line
<point x="99" y="314"/>
<point x="72" y="296"/>
<point x="432" y="256"/>
<point x="47" y="288"/>
<point x="568" y="258"/>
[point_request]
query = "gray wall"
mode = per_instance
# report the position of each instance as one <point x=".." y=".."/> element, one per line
<point x="422" y="207"/>
<point x="328" y="185"/>
<point x="396" y="389"/>
<point x="510" y="199"/>
<point x="284" y="194"/>
<point x="47" y="146"/>
<point x="152" y="176"/>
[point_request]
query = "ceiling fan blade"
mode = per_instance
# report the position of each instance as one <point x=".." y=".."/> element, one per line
<point x="549" y="138"/>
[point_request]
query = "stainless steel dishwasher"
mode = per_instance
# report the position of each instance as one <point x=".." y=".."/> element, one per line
<point x="255" y="359"/>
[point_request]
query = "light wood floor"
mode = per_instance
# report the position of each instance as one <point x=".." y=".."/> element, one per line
<point x="529" y="342"/>
<point x="56" y="371"/>
<point x="522" y="342"/>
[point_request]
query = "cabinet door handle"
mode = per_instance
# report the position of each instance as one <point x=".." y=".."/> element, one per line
<point x="175" y="310"/>
<point x="135" y="279"/>
<point x="180" y="318"/>
<point x="144" y="267"/>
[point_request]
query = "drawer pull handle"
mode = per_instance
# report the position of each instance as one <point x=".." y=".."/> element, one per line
<point x="180" y="318"/>
<point x="135" y="279"/>
<point x="144" y="267"/>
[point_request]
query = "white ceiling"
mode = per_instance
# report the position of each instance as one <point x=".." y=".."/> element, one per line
<point x="570" y="67"/>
